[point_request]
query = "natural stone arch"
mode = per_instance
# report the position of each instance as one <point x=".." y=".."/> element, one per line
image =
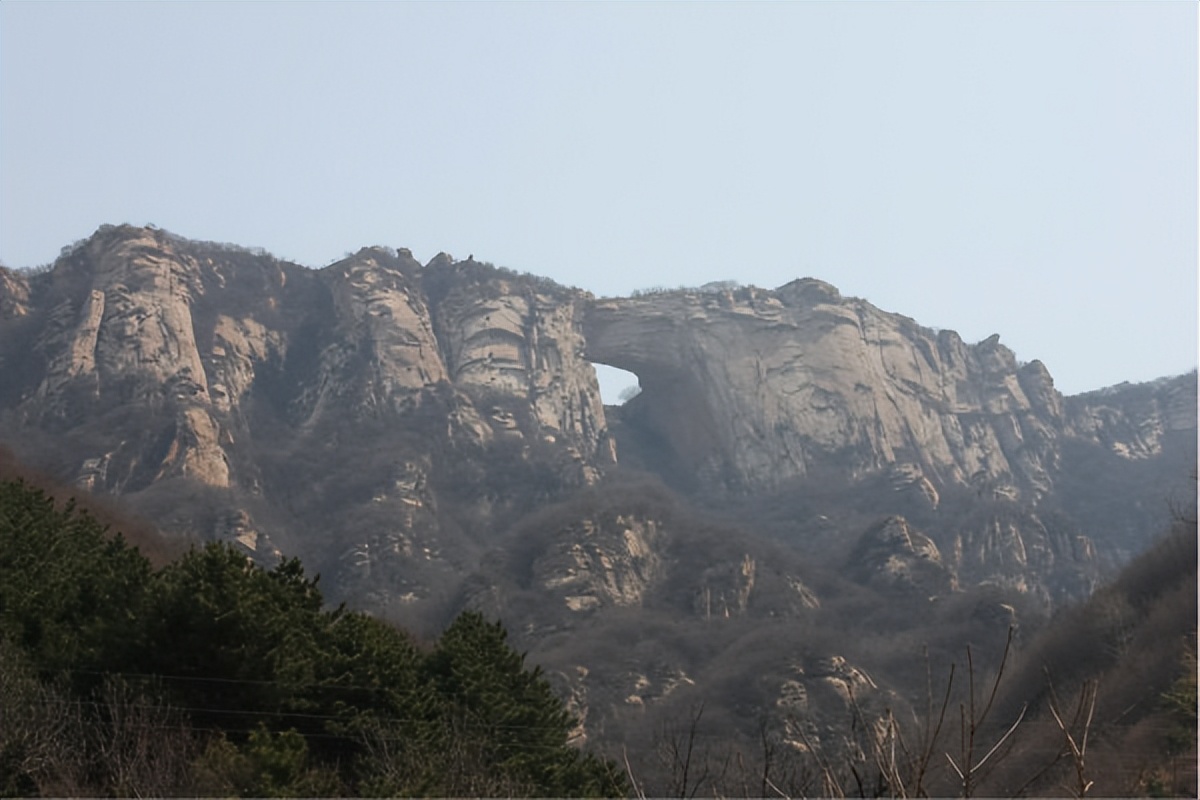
<point x="615" y="383"/>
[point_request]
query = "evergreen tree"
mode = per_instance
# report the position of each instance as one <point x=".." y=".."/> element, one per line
<point x="70" y="595"/>
<point x="520" y="729"/>
<point x="235" y="643"/>
<point x="260" y="690"/>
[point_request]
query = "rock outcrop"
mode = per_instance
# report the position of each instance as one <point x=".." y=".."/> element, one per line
<point x="139" y="315"/>
<point x="756" y="388"/>
<point x="206" y="383"/>
<point x="14" y="294"/>
<point x="894" y="556"/>
<point x="430" y="437"/>
<point x="748" y="389"/>
<point x="1134" y="420"/>
<point x="594" y="565"/>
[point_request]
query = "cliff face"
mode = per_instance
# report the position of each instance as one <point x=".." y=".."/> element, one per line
<point x="118" y="327"/>
<point x="757" y="388"/>
<point x="14" y="294"/>
<point x="747" y="388"/>
<point x="143" y="364"/>
<point x="432" y="436"/>
<point x="747" y="391"/>
<point x="1134" y="421"/>
<point x="506" y="337"/>
<point x="200" y="328"/>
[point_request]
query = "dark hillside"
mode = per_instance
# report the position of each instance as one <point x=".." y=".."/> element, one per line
<point x="112" y="517"/>
<point x="1133" y="644"/>
<point x="212" y="676"/>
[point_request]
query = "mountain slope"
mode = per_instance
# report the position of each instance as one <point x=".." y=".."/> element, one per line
<point x="431" y="437"/>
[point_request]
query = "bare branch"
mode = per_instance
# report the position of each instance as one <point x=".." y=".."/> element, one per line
<point x="1077" y="749"/>
<point x="637" y="789"/>
<point x="1003" y="738"/>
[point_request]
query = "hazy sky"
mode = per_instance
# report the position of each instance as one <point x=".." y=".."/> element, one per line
<point x="1027" y="169"/>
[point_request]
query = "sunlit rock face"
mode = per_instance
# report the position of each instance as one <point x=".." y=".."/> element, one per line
<point x="14" y="294"/>
<point x="1132" y="421"/>
<point x="518" y="339"/>
<point x="757" y="387"/>
<point x="197" y="346"/>
<point x="380" y="349"/>
<point x="892" y="555"/>
<point x="592" y="565"/>
<point x="174" y="355"/>
<point x="135" y="317"/>
<point x="121" y="328"/>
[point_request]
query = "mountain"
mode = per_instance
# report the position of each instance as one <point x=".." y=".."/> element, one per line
<point x="431" y="437"/>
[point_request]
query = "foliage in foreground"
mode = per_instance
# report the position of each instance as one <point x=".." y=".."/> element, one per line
<point x="213" y="676"/>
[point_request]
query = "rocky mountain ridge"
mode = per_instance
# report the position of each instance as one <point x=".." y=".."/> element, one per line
<point x="774" y="384"/>
<point x="429" y="437"/>
<point x="770" y="384"/>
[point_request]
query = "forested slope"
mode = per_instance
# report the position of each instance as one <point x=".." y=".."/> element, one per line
<point x="213" y="676"/>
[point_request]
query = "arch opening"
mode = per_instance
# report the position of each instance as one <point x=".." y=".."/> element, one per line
<point x="616" y="385"/>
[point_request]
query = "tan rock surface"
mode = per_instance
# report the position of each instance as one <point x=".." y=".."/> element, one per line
<point x="14" y="294"/>
<point x="758" y="387"/>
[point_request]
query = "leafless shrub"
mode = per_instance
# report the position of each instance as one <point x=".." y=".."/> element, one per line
<point x="41" y="732"/>
<point x="144" y="745"/>
<point x="971" y="724"/>
<point x="689" y="766"/>
<point x="1075" y="733"/>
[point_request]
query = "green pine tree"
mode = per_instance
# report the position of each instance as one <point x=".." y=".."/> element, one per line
<point x="70" y="594"/>
<point x="517" y="727"/>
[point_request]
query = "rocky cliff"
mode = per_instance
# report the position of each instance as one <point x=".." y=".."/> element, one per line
<point x="143" y="364"/>
<point x="747" y="388"/>
<point x="754" y="388"/>
<point x="206" y="325"/>
<point x="432" y="436"/>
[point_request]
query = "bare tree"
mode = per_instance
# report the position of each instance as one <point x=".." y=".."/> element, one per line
<point x="689" y="768"/>
<point x="971" y="722"/>
<point x="143" y="745"/>
<point x="41" y="733"/>
<point x="1075" y="734"/>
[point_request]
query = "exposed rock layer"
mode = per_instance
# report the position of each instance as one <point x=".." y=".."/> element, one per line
<point x="745" y="390"/>
<point x="750" y="388"/>
<point x="429" y="436"/>
<point x="756" y="388"/>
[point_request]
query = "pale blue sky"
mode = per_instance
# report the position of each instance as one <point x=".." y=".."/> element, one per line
<point x="1028" y="169"/>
